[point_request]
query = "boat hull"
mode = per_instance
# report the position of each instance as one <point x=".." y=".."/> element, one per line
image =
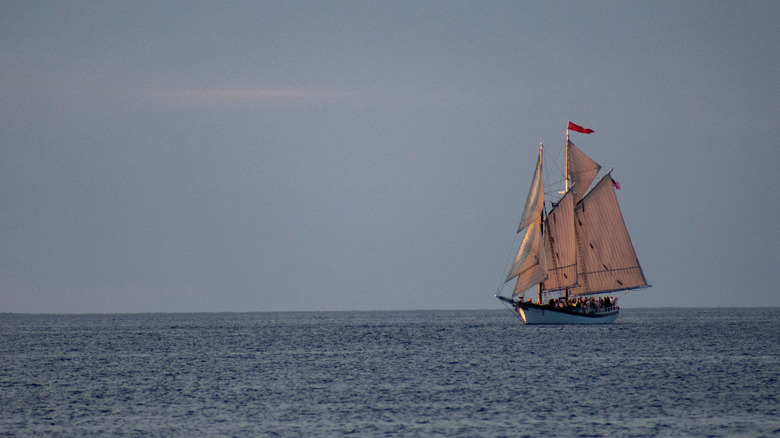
<point x="537" y="314"/>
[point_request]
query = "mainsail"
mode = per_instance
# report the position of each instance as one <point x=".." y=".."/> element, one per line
<point x="582" y="245"/>
<point x="606" y="260"/>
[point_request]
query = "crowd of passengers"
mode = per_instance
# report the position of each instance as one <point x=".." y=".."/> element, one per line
<point x="585" y="305"/>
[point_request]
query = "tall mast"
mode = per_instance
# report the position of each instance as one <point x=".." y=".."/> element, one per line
<point x="566" y="178"/>
<point x="541" y="220"/>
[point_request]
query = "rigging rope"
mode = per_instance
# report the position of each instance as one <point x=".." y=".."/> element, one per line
<point x="557" y="167"/>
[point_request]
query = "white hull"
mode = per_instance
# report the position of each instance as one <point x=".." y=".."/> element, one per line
<point x="535" y="314"/>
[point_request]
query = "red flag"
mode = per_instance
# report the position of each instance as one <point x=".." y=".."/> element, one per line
<point x="616" y="184"/>
<point x="579" y="128"/>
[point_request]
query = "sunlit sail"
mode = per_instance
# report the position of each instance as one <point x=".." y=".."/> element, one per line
<point x="576" y="254"/>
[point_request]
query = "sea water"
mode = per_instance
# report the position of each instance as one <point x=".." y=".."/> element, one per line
<point x="660" y="372"/>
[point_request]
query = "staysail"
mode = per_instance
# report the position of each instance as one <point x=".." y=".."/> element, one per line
<point x="560" y="245"/>
<point x="529" y="263"/>
<point x="528" y="266"/>
<point x="582" y="170"/>
<point x="534" y="204"/>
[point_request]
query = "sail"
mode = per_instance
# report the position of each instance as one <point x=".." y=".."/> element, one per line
<point x="534" y="204"/>
<point x="528" y="266"/>
<point x="582" y="171"/>
<point x="560" y="245"/>
<point x="606" y="258"/>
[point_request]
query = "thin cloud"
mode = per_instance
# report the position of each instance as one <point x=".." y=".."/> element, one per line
<point x="252" y="94"/>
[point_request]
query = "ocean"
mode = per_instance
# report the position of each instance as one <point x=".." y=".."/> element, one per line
<point x="654" y="372"/>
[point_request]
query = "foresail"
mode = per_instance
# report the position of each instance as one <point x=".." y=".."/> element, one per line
<point x="560" y="245"/>
<point x="528" y="266"/>
<point x="606" y="258"/>
<point x="534" y="204"/>
<point x="582" y="171"/>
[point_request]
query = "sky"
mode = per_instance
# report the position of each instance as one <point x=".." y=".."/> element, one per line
<point x="205" y="156"/>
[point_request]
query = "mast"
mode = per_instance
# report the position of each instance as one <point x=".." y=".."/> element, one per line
<point x="541" y="222"/>
<point x="566" y="178"/>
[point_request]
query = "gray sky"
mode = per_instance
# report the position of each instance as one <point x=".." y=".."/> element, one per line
<point x="262" y="156"/>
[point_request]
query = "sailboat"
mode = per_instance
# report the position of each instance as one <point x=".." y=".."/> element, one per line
<point x="576" y="252"/>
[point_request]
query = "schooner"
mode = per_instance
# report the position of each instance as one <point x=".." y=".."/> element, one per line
<point x="577" y="254"/>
